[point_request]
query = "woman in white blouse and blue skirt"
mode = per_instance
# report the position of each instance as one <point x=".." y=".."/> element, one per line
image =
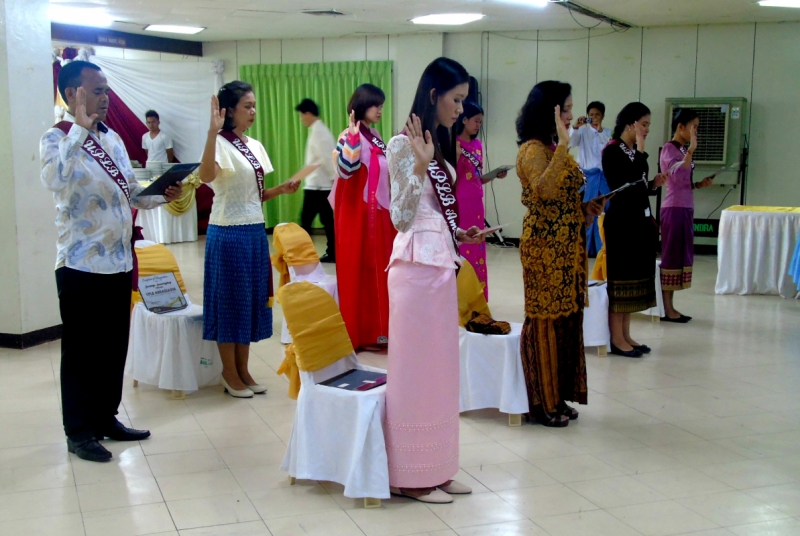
<point x="237" y="308"/>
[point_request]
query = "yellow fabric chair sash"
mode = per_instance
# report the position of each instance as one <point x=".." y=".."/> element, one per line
<point x="184" y="203"/>
<point x="471" y="298"/>
<point x="599" y="270"/>
<point x="317" y="328"/>
<point x="293" y="247"/>
<point x="154" y="260"/>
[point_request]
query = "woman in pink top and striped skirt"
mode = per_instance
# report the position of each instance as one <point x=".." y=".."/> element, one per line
<point x="677" y="211"/>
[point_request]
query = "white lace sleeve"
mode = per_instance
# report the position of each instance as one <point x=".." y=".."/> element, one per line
<point x="407" y="187"/>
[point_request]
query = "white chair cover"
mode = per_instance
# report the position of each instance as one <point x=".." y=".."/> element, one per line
<point x="595" y="318"/>
<point x="491" y="372"/>
<point x="658" y="310"/>
<point x="162" y="227"/>
<point x="313" y="273"/>
<point x="168" y="350"/>
<point x="338" y="435"/>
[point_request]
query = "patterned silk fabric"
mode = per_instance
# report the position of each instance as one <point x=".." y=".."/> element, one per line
<point x="552" y="246"/>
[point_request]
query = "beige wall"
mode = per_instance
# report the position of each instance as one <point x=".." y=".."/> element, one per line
<point x="410" y="54"/>
<point x="760" y="62"/>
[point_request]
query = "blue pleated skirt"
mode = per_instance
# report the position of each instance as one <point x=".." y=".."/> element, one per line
<point x="236" y="286"/>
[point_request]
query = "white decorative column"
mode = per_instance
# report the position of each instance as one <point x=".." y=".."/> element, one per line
<point x="28" y="302"/>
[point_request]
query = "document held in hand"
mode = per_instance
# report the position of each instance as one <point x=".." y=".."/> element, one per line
<point x="172" y="176"/>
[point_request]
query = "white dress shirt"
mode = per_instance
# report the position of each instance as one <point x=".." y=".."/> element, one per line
<point x="157" y="147"/>
<point x="94" y="219"/>
<point x="319" y="148"/>
<point x="236" y="196"/>
<point x="591" y="143"/>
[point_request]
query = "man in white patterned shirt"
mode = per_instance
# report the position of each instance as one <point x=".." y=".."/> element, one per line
<point x="87" y="168"/>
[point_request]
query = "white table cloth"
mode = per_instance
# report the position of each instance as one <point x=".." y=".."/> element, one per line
<point x="658" y="310"/>
<point x="338" y="435"/>
<point x="596" y="332"/>
<point x="491" y="372"/>
<point x="168" y="350"/>
<point x="162" y="227"/>
<point x="755" y="250"/>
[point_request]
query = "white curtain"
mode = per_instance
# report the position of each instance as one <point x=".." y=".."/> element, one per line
<point x="179" y="91"/>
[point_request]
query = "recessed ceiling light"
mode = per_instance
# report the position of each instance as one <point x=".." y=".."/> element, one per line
<point x="169" y="28"/>
<point x="449" y="19"/>
<point x="79" y="16"/>
<point x="779" y="3"/>
<point x="537" y="3"/>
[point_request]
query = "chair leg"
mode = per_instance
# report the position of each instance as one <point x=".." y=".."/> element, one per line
<point x="514" y="419"/>
<point x="136" y="383"/>
<point x="178" y="395"/>
<point x="292" y="481"/>
<point x="370" y="503"/>
<point x="656" y="319"/>
<point x="602" y="351"/>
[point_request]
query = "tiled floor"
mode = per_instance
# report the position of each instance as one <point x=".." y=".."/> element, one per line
<point x="701" y="437"/>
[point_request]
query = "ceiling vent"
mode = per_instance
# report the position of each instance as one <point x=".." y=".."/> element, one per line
<point x="323" y="12"/>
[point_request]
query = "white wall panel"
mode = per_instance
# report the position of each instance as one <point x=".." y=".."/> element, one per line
<point x="614" y="64"/>
<point x="668" y="70"/>
<point x="378" y="48"/>
<point x="302" y="50"/>
<point x="271" y="51"/>
<point x="511" y="73"/>
<point x="345" y="49"/>
<point x="411" y="55"/>
<point x="775" y="129"/>
<point x="564" y="56"/>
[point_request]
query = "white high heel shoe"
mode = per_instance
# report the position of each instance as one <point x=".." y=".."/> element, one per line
<point x="244" y="393"/>
<point x="258" y="389"/>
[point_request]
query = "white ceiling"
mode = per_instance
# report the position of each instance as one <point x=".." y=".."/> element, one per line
<point x="282" y="19"/>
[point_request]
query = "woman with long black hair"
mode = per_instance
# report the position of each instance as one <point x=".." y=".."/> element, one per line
<point x="630" y="229"/>
<point x="422" y="401"/>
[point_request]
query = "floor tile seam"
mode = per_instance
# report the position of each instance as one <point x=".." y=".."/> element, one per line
<point x="716" y="525"/>
<point x="689" y="506"/>
<point x="158" y="484"/>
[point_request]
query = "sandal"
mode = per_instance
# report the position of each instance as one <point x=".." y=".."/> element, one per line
<point x="566" y="411"/>
<point x="553" y="420"/>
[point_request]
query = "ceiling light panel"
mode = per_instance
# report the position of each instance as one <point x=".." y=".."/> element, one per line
<point x="448" y="19"/>
<point x="169" y="28"/>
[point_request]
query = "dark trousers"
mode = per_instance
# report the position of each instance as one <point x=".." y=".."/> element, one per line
<point x="96" y="314"/>
<point x="316" y="202"/>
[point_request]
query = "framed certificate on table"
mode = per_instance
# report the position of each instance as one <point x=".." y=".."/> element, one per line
<point x="161" y="293"/>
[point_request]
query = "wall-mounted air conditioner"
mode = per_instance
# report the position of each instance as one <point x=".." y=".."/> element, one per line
<point x="723" y="125"/>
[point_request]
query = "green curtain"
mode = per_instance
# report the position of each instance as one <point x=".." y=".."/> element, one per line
<point x="280" y="88"/>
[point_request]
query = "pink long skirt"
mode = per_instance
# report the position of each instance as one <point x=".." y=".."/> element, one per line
<point x="423" y="376"/>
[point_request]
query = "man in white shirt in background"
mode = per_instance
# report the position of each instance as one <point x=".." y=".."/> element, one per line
<point x="157" y="144"/>
<point x="590" y="137"/>
<point x="318" y="184"/>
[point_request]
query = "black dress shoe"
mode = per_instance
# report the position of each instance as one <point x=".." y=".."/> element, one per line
<point x="643" y="348"/>
<point x="327" y="258"/>
<point x="629" y="353"/>
<point x="120" y="432"/>
<point x="89" y="450"/>
<point x="680" y="320"/>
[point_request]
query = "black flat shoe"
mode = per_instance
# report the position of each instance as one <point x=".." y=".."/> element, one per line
<point x="327" y="258"/>
<point x="120" y="432"/>
<point x="630" y="353"/>
<point x="680" y="320"/>
<point x="89" y="450"/>
<point x="643" y="348"/>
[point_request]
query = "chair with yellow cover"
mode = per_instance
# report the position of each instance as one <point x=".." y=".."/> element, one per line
<point x="337" y="434"/>
<point x="168" y="350"/>
<point x="491" y="365"/>
<point x="295" y="259"/>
